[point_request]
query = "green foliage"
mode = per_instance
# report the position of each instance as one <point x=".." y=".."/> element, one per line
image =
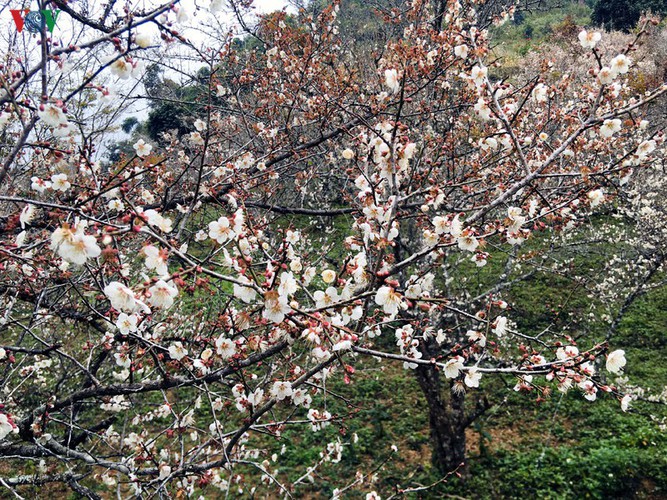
<point x="537" y="27"/>
<point x="174" y="106"/>
<point x="167" y="116"/>
<point x="358" y="20"/>
<point x="645" y="327"/>
<point x="129" y="123"/>
<point x="117" y="150"/>
<point x="599" y="472"/>
<point x="624" y="14"/>
<point x="577" y="450"/>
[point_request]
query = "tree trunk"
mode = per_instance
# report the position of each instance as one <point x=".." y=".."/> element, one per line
<point x="447" y="420"/>
<point x="439" y="8"/>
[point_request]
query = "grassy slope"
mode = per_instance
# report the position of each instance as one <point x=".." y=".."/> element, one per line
<point x="515" y="39"/>
<point x="562" y="448"/>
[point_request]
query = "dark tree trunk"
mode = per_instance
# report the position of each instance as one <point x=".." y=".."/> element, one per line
<point x="446" y="417"/>
<point x="439" y="8"/>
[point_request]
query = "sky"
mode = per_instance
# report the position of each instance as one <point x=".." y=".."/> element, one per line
<point x="270" y="5"/>
<point x="63" y="24"/>
<point x="68" y="31"/>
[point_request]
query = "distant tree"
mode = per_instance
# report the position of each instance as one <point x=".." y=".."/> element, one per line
<point x="175" y="106"/>
<point x="624" y="14"/>
<point x="153" y="82"/>
<point x="129" y="123"/>
<point x="165" y="117"/>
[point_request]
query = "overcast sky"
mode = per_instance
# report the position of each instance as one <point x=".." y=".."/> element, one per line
<point x="68" y="31"/>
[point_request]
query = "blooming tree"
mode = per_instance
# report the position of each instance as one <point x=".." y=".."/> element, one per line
<point x="163" y="314"/>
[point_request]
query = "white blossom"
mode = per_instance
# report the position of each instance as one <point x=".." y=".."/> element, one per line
<point x="482" y="110"/>
<point x="281" y="390"/>
<point x="127" y="323"/>
<point x="6" y="426"/>
<point x="226" y="348"/>
<point x="610" y="127"/>
<point x="142" y="148"/>
<point x="479" y="74"/>
<point x="52" y="115"/>
<point x="121" y="68"/>
<point x="59" y="182"/>
<point x="472" y="378"/>
<point x="221" y="230"/>
<point x="27" y="215"/>
<point x="182" y="16"/>
<point x="275" y="307"/>
<point x="327" y="298"/>
<point x="540" y="93"/>
<point x="500" y="327"/>
<point x="244" y="293"/>
<point x="162" y="294"/>
<point x="589" y="389"/>
<point x="625" y="402"/>
<point x="453" y="367"/>
<point x="155" y="260"/>
<point x="391" y="80"/>
<point x="606" y="75"/>
<point x="121" y="297"/>
<point x="595" y="197"/>
<point x="468" y="242"/>
<point x="156" y="219"/>
<point x="589" y="39"/>
<point x="620" y="64"/>
<point x="288" y="285"/>
<point x="646" y="148"/>
<point x="389" y="299"/>
<point x="328" y="276"/>
<point x="177" y="351"/>
<point x="461" y="51"/>
<point x="301" y="397"/>
<point x="116" y="205"/>
<point x="616" y="361"/>
<point x="165" y="471"/>
<point x="143" y="39"/>
<point x="73" y="245"/>
<point x="39" y="185"/>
